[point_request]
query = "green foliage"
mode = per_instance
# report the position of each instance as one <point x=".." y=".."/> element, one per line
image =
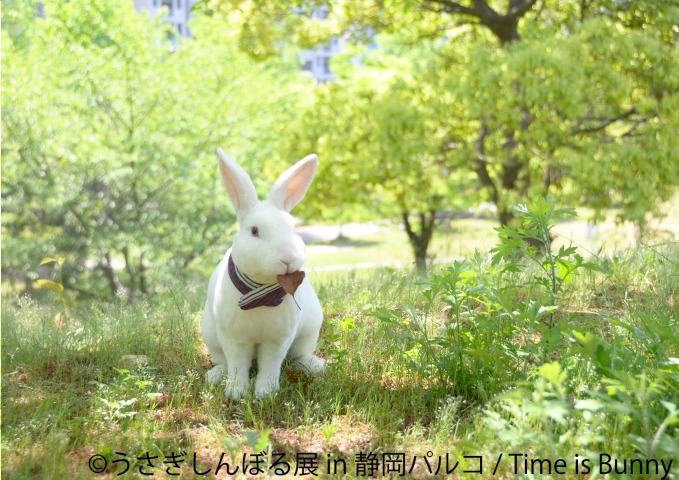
<point x="372" y="137"/>
<point x="436" y="119"/>
<point x="108" y="140"/>
<point x="373" y="129"/>
<point x="260" y="26"/>
<point x="556" y="415"/>
<point x="56" y="287"/>
<point x="577" y="100"/>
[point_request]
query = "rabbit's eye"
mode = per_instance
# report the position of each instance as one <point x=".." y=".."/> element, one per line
<point x="254" y="231"/>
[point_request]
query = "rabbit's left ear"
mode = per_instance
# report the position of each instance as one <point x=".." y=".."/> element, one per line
<point x="293" y="184"/>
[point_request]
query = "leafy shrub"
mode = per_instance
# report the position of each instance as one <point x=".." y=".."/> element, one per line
<point x="553" y="380"/>
<point x="498" y="317"/>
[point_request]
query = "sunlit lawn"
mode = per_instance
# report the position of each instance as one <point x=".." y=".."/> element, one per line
<point x="390" y="245"/>
<point x="460" y="238"/>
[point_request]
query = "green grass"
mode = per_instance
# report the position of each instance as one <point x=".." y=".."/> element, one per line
<point x="414" y="367"/>
<point x="390" y="245"/>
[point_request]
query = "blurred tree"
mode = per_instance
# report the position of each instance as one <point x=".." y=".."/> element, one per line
<point x="577" y="98"/>
<point x="263" y="24"/>
<point x="579" y="87"/>
<point x="109" y="134"/>
<point x="377" y="132"/>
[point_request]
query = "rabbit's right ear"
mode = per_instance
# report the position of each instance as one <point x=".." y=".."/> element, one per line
<point x="240" y="188"/>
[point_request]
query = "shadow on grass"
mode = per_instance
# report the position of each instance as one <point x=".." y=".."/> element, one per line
<point x="349" y="243"/>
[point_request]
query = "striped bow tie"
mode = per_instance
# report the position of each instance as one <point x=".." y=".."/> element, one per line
<point x="255" y="294"/>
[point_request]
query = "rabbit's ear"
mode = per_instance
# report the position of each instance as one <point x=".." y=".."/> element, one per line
<point x="293" y="184"/>
<point x="238" y="184"/>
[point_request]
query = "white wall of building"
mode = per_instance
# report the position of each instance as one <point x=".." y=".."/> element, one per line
<point x="318" y="60"/>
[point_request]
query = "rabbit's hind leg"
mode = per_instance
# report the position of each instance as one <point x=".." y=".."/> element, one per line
<point x="302" y="354"/>
<point x="216" y="374"/>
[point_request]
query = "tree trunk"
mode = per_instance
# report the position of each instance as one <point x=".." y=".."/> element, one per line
<point x="142" y="275"/>
<point x="421" y="258"/>
<point x="505" y="27"/>
<point x="504" y="215"/>
<point x="28" y="285"/>
<point x="420" y="240"/>
<point x="113" y="281"/>
<point x="130" y="272"/>
<point x="639" y="231"/>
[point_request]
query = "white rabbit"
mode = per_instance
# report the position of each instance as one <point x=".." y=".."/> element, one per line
<point x="235" y="329"/>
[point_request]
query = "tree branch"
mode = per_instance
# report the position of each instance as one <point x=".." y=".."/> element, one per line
<point x="448" y="6"/>
<point x="480" y="167"/>
<point x="583" y="10"/>
<point x="485" y="12"/>
<point x="111" y="275"/>
<point x="518" y="8"/>
<point x="605" y="123"/>
<point x="405" y="214"/>
<point x="504" y="26"/>
<point x="81" y="220"/>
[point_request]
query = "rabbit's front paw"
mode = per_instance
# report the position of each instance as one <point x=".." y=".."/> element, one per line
<point x="236" y="390"/>
<point x="215" y="375"/>
<point x="265" y="387"/>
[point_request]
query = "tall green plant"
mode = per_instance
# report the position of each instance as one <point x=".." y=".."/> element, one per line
<point x="532" y="240"/>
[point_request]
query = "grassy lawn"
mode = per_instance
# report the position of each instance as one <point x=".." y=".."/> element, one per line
<point x="477" y="363"/>
<point x="388" y="244"/>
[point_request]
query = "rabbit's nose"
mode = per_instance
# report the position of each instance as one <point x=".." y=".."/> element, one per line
<point x="291" y="258"/>
<point x="287" y="266"/>
<point x="291" y="265"/>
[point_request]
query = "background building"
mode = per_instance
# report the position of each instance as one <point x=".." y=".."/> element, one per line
<point x="179" y="12"/>
<point x="316" y="61"/>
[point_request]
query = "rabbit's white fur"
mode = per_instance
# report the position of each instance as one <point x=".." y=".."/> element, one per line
<point x="234" y="336"/>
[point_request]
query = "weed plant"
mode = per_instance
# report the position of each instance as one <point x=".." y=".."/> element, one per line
<point x="550" y="354"/>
